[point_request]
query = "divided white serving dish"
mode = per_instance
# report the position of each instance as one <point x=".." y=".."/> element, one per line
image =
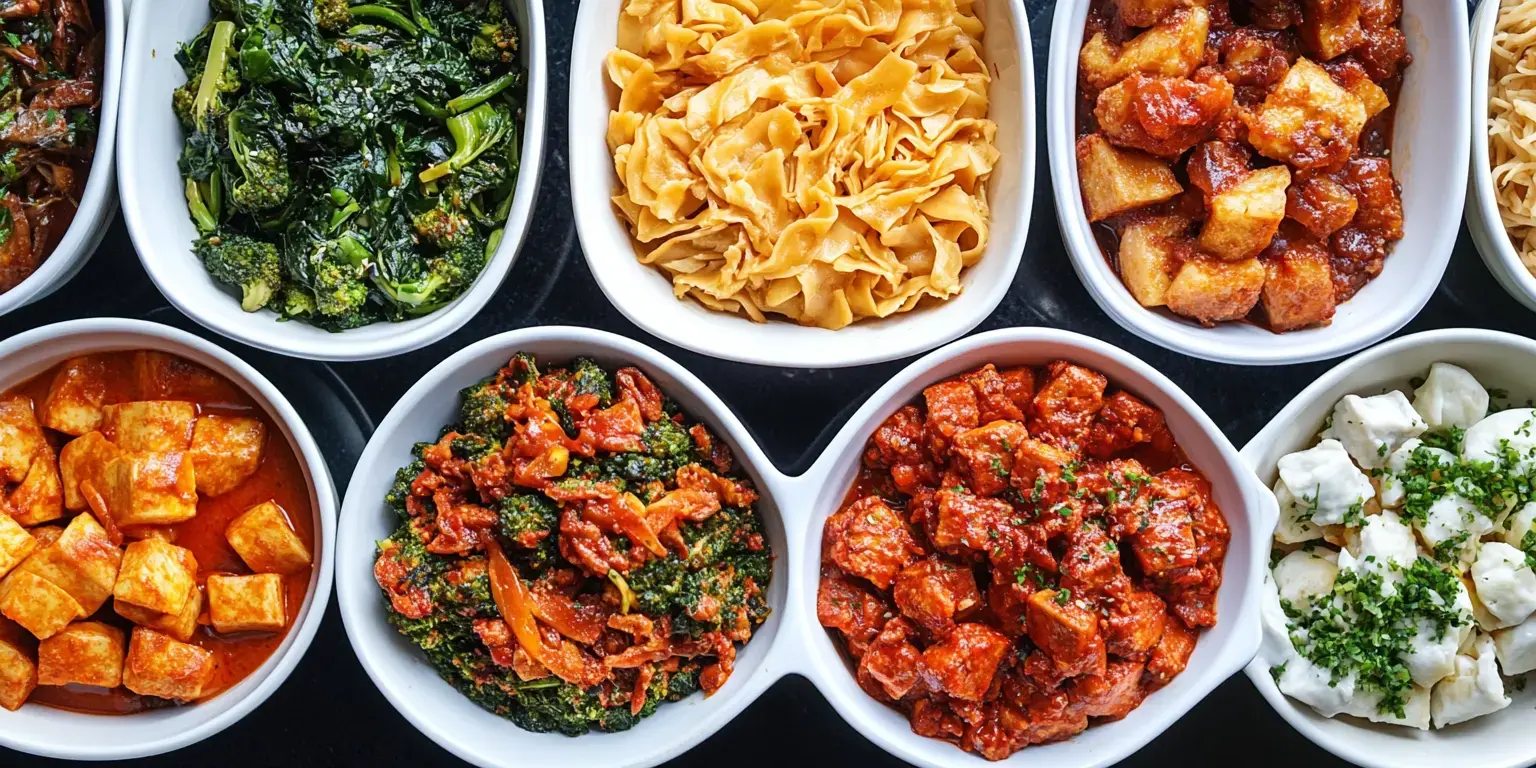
<point x="57" y="733"/>
<point x="99" y="202"/>
<point x="645" y="295"/>
<point x="155" y="209"/>
<point x="792" y="641"/>
<point x="1500" y="740"/>
<point x="1429" y="161"/>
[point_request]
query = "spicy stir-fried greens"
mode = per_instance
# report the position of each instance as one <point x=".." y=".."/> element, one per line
<point x="573" y="551"/>
<point x="50" y="102"/>
<point x="347" y="164"/>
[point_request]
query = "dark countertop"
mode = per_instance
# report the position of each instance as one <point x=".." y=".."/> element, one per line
<point x="329" y="713"/>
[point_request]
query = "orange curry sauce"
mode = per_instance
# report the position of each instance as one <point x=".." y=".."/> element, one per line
<point x="280" y="478"/>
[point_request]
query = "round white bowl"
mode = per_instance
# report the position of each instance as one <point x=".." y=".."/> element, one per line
<point x="792" y="641"/>
<point x="1429" y="159"/>
<point x="155" y="208"/>
<point x="57" y="733"/>
<point x="99" y="202"/>
<point x="1500" y="740"/>
<point x="645" y="296"/>
<point x="1483" y="220"/>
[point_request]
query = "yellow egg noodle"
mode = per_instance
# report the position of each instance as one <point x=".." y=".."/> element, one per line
<point x="1512" y="123"/>
<point x="821" y="160"/>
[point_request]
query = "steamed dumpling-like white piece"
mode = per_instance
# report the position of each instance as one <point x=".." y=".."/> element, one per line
<point x="1485" y="440"/>
<point x="1449" y="517"/>
<point x="1505" y="582"/>
<point x="1450" y="397"/>
<point x="1516" y="647"/>
<point x="1474" y="690"/>
<point x="1291" y="528"/>
<point x="1416" y="706"/>
<point x="1387" y="547"/>
<point x="1371" y="428"/>
<point x="1432" y="652"/>
<point x="1302" y="576"/>
<point x="1392" y="493"/>
<point x="1518" y="523"/>
<point x="1314" y="686"/>
<point x="1324" y="480"/>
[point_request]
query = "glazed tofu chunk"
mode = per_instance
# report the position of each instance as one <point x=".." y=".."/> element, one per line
<point x="1172" y="48"/>
<point x="986" y="452"/>
<point x="156" y="576"/>
<point x="1299" y="289"/>
<point x="37" y="605"/>
<point x="21" y="438"/>
<point x="1330" y="28"/>
<point x="225" y="451"/>
<point x="246" y="603"/>
<point x="867" y="539"/>
<point x="164" y="667"/>
<point x="168" y="377"/>
<point x="1162" y="116"/>
<point x="40" y="497"/>
<point x="1146" y="257"/>
<point x="1320" y="204"/>
<point x="84" y="460"/>
<point x="86" y="652"/>
<point x="1066" y="632"/>
<point x="1118" y="180"/>
<point x="1213" y="291"/>
<point x="150" y="426"/>
<point x="18" y="675"/>
<point x="1243" y="219"/>
<point x="83" y="562"/>
<point x="1145" y="13"/>
<point x="179" y="625"/>
<point x="1307" y="121"/>
<point x="266" y="541"/>
<point x="15" y="543"/>
<point x="73" y="405"/>
<point x="151" y="489"/>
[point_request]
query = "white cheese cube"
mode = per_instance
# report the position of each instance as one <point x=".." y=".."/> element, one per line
<point x="1450" y="397"/>
<point x="1291" y="528"/>
<point x="1371" y="428"/>
<point x="1485" y="440"/>
<point x="1473" y="691"/>
<point x="1325" y="482"/>
<point x="1392" y="493"/>
<point x="1453" y="518"/>
<point x="1302" y="576"/>
<point x="1314" y="686"/>
<point x="1516" y="647"/>
<point x="1505" y="582"/>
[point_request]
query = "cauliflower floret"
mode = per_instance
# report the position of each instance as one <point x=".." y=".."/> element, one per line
<point x="1474" y="690"/>
<point x="1450" y="397"/>
<point x="1505" y="582"/>
<point x="1325" y="482"/>
<point x="1371" y="428"/>
<point x="1392" y="492"/>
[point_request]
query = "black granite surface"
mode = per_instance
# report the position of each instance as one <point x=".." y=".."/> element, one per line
<point x="329" y="713"/>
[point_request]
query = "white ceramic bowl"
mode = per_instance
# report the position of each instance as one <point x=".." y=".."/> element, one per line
<point x="50" y="732"/>
<point x="645" y="296"/>
<point x="99" y="202"/>
<point x="1501" y="740"/>
<point x="1483" y="220"/>
<point x="794" y="508"/>
<point x="155" y="208"/>
<point x="1429" y="159"/>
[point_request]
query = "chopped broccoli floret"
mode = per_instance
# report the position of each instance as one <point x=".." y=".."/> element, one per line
<point x="532" y="522"/>
<point x="440" y="226"/>
<point x="401" y="490"/>
<point x="250" y="265"/>
<point x="264" y="182"/>
<point x="295" y="301"/>
<point x="496" y="40"/>
<point x="332" y="15"/>
<point x="670" y="442"/>
<point x="483" y="409"/>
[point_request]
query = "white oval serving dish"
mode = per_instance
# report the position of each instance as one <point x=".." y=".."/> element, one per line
<point x="57" y="733"/>
<point x="1484" y="223"/>
<point x="1429" y="158"/>
<point x="794" y="508"/>
<point x="645" y="295"/>
<point x="155" y="208"/>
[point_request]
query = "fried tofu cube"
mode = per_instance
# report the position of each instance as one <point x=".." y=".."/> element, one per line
<point x="1351" y="76"/>
<point x="1214" y="291"/>
<point x="246" y="603"/>
<point x="1118" y="180"/>
<point x="15" y="543"/>
<point x="18" y="675"/>
<point x="1145" y="13"/>
<point x="163" y="376"/>
<point x="1172" y="48"/>
<point x="83" y="562"/>
<point x="85" y="459"/>
<point x="150" y="426"/>
<point x="1331" y="28"/>
<point x="986" y="454"/>
<point x="1146" y="257"/>
<point x="225" y="451"/>
<point x="1307" y="121"/>
<point x="151" y="489"/>
<point x="180" y="625"/>
<point x="1066" y="632"/>
<point x="266" y="541"/>
<point x="1320" y="204"/>
<point x="1244" y="218"/>
<point x="73" y="405"/>
<point x="161" y="666"/>
<point x="156" y="575"/>
<point x="86" y="652"/>
<point x="1299" y="290"/>
<point x="40" y="497"/>
<point x="21" y="438"/>
<point x="37" y="605"/>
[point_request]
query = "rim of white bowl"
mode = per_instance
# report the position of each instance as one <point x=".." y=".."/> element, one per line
<point x="1484" y="222"/>
<point x="1261" y="347"/>
<point x="281" y="664"/>
<point x="162" y="253"/>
